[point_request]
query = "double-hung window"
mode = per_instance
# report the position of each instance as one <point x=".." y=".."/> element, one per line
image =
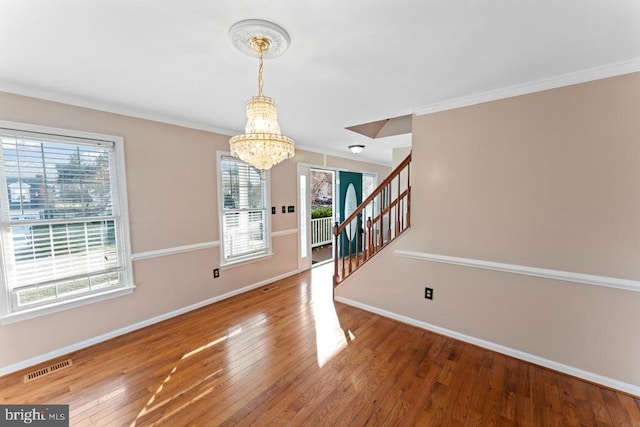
<point x="63" y="228"/>
<point x="244" y="217"/>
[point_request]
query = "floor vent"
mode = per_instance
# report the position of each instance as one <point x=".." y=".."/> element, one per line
<point x="47" y="370"/>
<point x="269" y="289"/>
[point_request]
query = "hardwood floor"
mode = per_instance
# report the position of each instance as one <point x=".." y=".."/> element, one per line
<point x="292" y="357"/>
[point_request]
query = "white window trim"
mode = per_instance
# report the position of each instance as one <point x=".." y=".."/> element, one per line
<point x="243" y="261"/>
<point x="8" y="316"/>
<point x="252" y="258"/>
<point x="33" y="313"/>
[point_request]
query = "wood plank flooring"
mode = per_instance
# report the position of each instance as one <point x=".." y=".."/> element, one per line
<point x="292" y="356"/>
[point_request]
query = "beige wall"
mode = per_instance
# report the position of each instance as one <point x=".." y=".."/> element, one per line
<point x="354" y="165"/>
<point x="399" y="154"/>
<point x="547" y="180"/>
<point x="334" y="162"/>
<point x="172" y="192"/>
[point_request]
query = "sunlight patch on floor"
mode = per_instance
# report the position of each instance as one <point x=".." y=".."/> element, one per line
<point x="118" y="391"/>
<point x="330" y="338"/>
<point x="154" y="403"/>
<point x="181" y="407"/>
<point x="236" y="354"/>
<point x="147" y="407"/>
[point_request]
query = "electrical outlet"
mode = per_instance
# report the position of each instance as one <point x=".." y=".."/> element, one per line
<point x="273" y="210"/>
<point x="428" y="293"/>
<point x="216" y="273"/>
<point x="284" y="209"/>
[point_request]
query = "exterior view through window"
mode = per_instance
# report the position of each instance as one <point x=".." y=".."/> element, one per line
<point x="245" y="220"/>
<point x="60" y="218"/>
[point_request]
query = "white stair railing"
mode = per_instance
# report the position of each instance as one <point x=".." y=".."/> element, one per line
<point x="380" y="218"/>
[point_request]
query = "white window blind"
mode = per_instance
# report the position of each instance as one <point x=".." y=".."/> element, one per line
<point x="245" y="227"/>
<point x="60" y="218"/>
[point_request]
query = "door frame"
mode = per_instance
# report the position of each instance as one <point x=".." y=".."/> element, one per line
<point x="303" y="195"/>
<point x="304" y="212"/>
<point x="304" y="209"/>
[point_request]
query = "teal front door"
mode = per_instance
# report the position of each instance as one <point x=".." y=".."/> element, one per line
<point x="349" y="198"/>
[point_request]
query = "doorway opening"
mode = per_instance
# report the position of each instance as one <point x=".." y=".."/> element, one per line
<point x="322" y="183"/>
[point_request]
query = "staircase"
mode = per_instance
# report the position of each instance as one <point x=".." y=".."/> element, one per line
<point x="387" y="212"/>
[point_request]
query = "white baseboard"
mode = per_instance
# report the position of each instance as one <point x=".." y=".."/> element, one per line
<point x="566" y="369"/>
<point x="104" y="337"/>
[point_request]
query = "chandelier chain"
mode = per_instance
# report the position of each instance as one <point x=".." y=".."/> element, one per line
<point x="260" y="68"/>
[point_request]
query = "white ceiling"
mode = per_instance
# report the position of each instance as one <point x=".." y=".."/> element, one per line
<point x="350" y="62"/>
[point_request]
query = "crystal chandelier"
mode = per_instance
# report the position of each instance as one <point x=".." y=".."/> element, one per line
<point x="262" y="145"/>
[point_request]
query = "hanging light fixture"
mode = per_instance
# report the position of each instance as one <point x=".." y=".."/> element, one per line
<point x="356" y="149"/>
<point x="262" y="145"/>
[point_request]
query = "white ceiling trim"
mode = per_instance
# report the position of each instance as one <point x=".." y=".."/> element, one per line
<point x="605" y="71"/>
<point x="139" y="114"/>
<point x="128" y="112"/>
<point x="109" y="108"/>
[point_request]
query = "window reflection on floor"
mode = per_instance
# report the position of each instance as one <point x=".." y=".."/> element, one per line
<point x="235" y="340"/>
<point x="250" y="332"/>
<point x="330" y="338"/>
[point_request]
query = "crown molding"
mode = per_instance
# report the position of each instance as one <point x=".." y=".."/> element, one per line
<point x="77" y="101"/>
<point x="597" y="73"/>
<point x="109" y="108"/>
